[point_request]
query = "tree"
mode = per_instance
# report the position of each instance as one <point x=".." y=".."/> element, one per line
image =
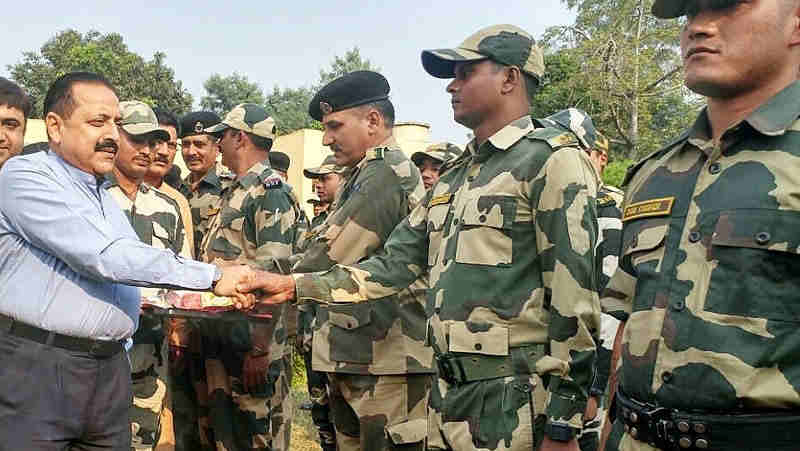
<point x="343" y="65"/>
<point x="224" y="93"/>
<point x="622" y="66"/>
<point x="289" y="108"/>
<point x="150" y="81"/>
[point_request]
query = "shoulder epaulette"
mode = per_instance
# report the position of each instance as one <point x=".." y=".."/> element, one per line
<point x="604" y="200"/>
<point x="554" y="138"/>
<point x="375" y="154"/>
<point x="633" y="169"/>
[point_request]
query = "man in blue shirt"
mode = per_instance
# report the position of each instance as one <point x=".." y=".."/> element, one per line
<point x="69" y="261"/>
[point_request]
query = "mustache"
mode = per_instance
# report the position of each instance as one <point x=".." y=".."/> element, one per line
<point x="105" y="145"/>
<point x="160" y="159"/>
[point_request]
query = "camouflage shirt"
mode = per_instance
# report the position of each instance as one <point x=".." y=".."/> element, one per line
<point x="385" y="336"/>
<point x="155" y="217"/>
<point x="257" y="223"/>
<point x="204" y="200"/>
<point x="708" y="270"/>
<point x="508" y="236"/>
<point x="609" y="229"/>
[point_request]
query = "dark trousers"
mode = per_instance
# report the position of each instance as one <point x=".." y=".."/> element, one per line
<point x="54" y="399"/>
<point x="317" y="382"/>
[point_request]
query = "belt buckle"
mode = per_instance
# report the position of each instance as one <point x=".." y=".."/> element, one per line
<point x="95" y="349"/>
<point x="446" y="368"/>
<point x="660" y="424"/>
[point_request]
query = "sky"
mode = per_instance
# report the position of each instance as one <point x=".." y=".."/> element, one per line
<point x="286" y="43"/>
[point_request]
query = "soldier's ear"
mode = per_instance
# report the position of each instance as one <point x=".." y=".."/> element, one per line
<point x="794" y="19"/>
<point x="512" y="80"/>
<point x="374" y="120"/>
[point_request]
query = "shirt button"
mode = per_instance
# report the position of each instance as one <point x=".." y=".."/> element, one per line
<point x="482" y="218"/>
<point x="679" y="306"/>
<point x="666" y="376"/>
<point x="763" y="238"/>
<point x="455" y="222"/>
<point x="478" y="346"/>
<point x="694" y="237"/>
<point x="714" y="168"/>
<point x="437" y="310"/>
<point x="471" y="178"/>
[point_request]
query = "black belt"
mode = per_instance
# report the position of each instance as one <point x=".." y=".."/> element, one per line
<point x="95" y="348"/>
<point x="672" y="429"/>
<point x="458" y="368"/>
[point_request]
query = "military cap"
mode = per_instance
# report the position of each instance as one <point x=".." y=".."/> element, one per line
<point x="602" y="143"/>
<point x="328" y="166"/>
<point x="668" y="9"/>
<point x="348" y="91"/>
<point x="441" y="152"/>
<point x="247" y="117"/>
<point x="139" y="119"/>
<point x="196" y="122"/>
<point x="505" y="44"/>
<point x="576" y="121"/>
<point x="314" y="201"/>
<point x="279" y="160"/>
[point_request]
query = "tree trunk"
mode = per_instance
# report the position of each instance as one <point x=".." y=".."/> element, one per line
<point x="634" y="128"/>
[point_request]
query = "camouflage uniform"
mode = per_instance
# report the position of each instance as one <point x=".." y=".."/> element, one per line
<point x="707" y="283"/>
<point x="609" y="225"/>
<point x="508" y="237"/>
<point x="375" y="354"/>
<point x="257" y="223"/>
<point x="156" y="219"/>
<point x="204" y="199"/>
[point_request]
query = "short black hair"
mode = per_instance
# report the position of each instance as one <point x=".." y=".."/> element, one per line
<point x="260" y="142"/>
<point x="59" y="98"/>
<point x="13" y="96"/>
<point x="386" y="108"/>
<point x="167" y="118"/>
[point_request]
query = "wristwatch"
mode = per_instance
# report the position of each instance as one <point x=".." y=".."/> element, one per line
<point x="560" y="432"/>
<point x="217" y="277"/>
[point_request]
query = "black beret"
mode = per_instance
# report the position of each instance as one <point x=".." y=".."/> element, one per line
<point x="348" y="91"/>
<point x="279" y="161"/>
<point x="195" y="122"/>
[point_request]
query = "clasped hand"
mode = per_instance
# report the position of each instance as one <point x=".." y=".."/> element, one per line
<point x="250" y="286"/>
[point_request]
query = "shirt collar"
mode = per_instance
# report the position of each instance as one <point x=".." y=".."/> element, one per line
<point x="506" y="137"/>
<point x="83" y="177"/>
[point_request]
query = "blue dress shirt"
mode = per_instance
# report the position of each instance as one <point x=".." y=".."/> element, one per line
<point x="69" y="257"/>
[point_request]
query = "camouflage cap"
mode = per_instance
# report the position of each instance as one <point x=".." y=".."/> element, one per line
<point x="196" y="122"/>
<point x="139" y="119"/>
<point x="247" y="117"/>
<point x="576" y="121"/>
<point x="279" y="160"/>
<point x="441" y="152"/>
<point x="602" y="143"/>
<point x="315" y="201"/>
<point x="328" y="166"/>
<point x="505" y="44"/>
<point x="349" y="91"/>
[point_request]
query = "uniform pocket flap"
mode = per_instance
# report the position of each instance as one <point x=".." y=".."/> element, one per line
<point x="490" y="211"/>
<point x="648" y="238"/>
<point x="474" y="338"/>
<point x="772" y="230"/>
<point x="413" y="431"/>
<point x="350" y="316"/>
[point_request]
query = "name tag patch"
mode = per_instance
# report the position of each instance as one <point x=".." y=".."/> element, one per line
<point x="648" y="208"/>
<point x="441" y="200"/>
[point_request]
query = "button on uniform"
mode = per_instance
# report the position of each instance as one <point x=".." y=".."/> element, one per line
<point x="763" y="238"/>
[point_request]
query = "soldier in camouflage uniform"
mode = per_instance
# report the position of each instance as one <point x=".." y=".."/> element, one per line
<point x="249" y="403"/>
<point x="327" y="180"/>
<point x="207" y="178"/>
<point x="609" y="225"/>
<point x="707" y="277"/>
<point x="379" y="369"/>
<point x="508" y="236"/>
<point x="156" y="219"/>
<point x="430" y="161"/>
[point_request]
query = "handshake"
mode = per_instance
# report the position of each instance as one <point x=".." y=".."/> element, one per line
<point x="250" y="286"/>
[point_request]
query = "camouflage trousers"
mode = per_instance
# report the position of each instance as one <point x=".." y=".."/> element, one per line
<point x="373" y="413"/>
<point x="503" y="413"/>
<point x="317" y="384"/>
<point x="148" y="382"/>
<point x="589" y="438"/>
<point x="188" y="389"/>
<point x="282" y="403"/>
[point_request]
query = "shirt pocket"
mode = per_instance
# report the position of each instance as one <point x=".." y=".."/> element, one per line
<point x="755" y="256"/>
<point x="484" y="237"/>
<point x="642" y="255"/>
<point x="349" y="339"/>
<point x="437" y="216"/>
<point x="472" y="338"/>
<point x="229" y="239"/>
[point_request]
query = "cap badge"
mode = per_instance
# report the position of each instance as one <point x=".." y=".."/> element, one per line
<point x="325" y="107"/>
<point x="198" y="127"/>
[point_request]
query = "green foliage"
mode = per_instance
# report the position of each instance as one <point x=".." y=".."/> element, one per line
<point x="622" y="66"/>
<point x="615" y="172"/>
<point x="289" y="108"/>
<point x="342" y="65"/>
<point x="134" y="77"/>
<point x="299" y="380"/>
<point x="224" y="93"/>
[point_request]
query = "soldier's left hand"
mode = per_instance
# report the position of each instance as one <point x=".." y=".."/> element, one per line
<point x="254" y="372"/>
<point x="552" y="445"/>
<point x="226" y="286"/>
<point x="276" y="288"/>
